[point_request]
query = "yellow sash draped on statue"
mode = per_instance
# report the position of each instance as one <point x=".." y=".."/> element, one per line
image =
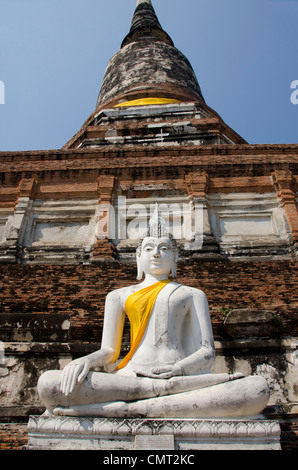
<point x="138" y="308"/>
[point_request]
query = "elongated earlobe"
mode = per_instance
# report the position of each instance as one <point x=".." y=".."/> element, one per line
<point x="173" y="273"/>
<point x="174" y="268"/>
<point x="140" y="270"/>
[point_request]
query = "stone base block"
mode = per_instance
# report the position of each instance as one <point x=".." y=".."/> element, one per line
<point x="70" y="433"/>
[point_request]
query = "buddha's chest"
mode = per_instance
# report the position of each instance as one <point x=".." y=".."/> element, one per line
<point x="166" y="321"/>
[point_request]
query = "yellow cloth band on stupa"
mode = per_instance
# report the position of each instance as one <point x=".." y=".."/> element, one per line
<point x="147" y="101"/>
<point x="138" y="307"/>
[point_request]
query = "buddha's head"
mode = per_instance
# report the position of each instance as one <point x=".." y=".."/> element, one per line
<point x="157" y="252"/>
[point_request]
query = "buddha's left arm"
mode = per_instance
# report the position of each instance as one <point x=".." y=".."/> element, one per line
<point x="202" y="359"/>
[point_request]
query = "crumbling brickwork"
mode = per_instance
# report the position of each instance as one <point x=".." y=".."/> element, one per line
<point x="77" y="294"/>
<point x="80" y="291"/>
<point x="13" y="436"/>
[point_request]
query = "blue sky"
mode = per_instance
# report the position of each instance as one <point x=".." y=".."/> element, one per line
<point x="53" y="55"/>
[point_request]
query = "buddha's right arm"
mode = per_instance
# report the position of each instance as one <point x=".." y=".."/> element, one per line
<point x="77" y="370"/>
<point x="114" y="318"/>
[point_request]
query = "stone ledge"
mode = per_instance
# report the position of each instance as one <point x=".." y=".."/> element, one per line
<point x="61" y="433"/>
<point x="19" y="348"/>
<point x="18" y="413"/>
<point x="80" y="347"/>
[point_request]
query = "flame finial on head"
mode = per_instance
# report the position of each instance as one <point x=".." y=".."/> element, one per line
<point x="157" y="225"/>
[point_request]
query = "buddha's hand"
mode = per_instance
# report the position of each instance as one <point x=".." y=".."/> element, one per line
<point x="162" y="372"/>
<point x="74" y="373"/>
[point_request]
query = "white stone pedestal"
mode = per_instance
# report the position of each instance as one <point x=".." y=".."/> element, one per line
<point x="69" y="433"/>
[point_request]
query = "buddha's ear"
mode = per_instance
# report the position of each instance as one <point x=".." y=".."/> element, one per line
<point x="140" y="270"/>
<point x="174" y="269"/>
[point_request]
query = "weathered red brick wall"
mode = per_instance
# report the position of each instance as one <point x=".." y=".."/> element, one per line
<point x="13" y="436"/>
<point x="289" y="435"/>
<point x="80" y="291"/>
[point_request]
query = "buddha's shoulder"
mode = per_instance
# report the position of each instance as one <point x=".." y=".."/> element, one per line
<point x="122" y="292"/>
<point x="189" y="291"/>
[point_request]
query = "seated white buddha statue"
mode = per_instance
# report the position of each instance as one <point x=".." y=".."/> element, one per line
<point x="166" y="373"/>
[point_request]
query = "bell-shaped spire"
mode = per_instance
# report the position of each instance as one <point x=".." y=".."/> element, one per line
<point x="148" y="65"/>
<point x="150" y="71"/>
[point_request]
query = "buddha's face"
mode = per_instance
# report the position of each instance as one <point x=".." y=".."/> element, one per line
<point x="157" y="256"/>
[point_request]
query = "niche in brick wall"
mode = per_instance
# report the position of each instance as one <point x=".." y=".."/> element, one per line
<point x="61" y="231"/>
